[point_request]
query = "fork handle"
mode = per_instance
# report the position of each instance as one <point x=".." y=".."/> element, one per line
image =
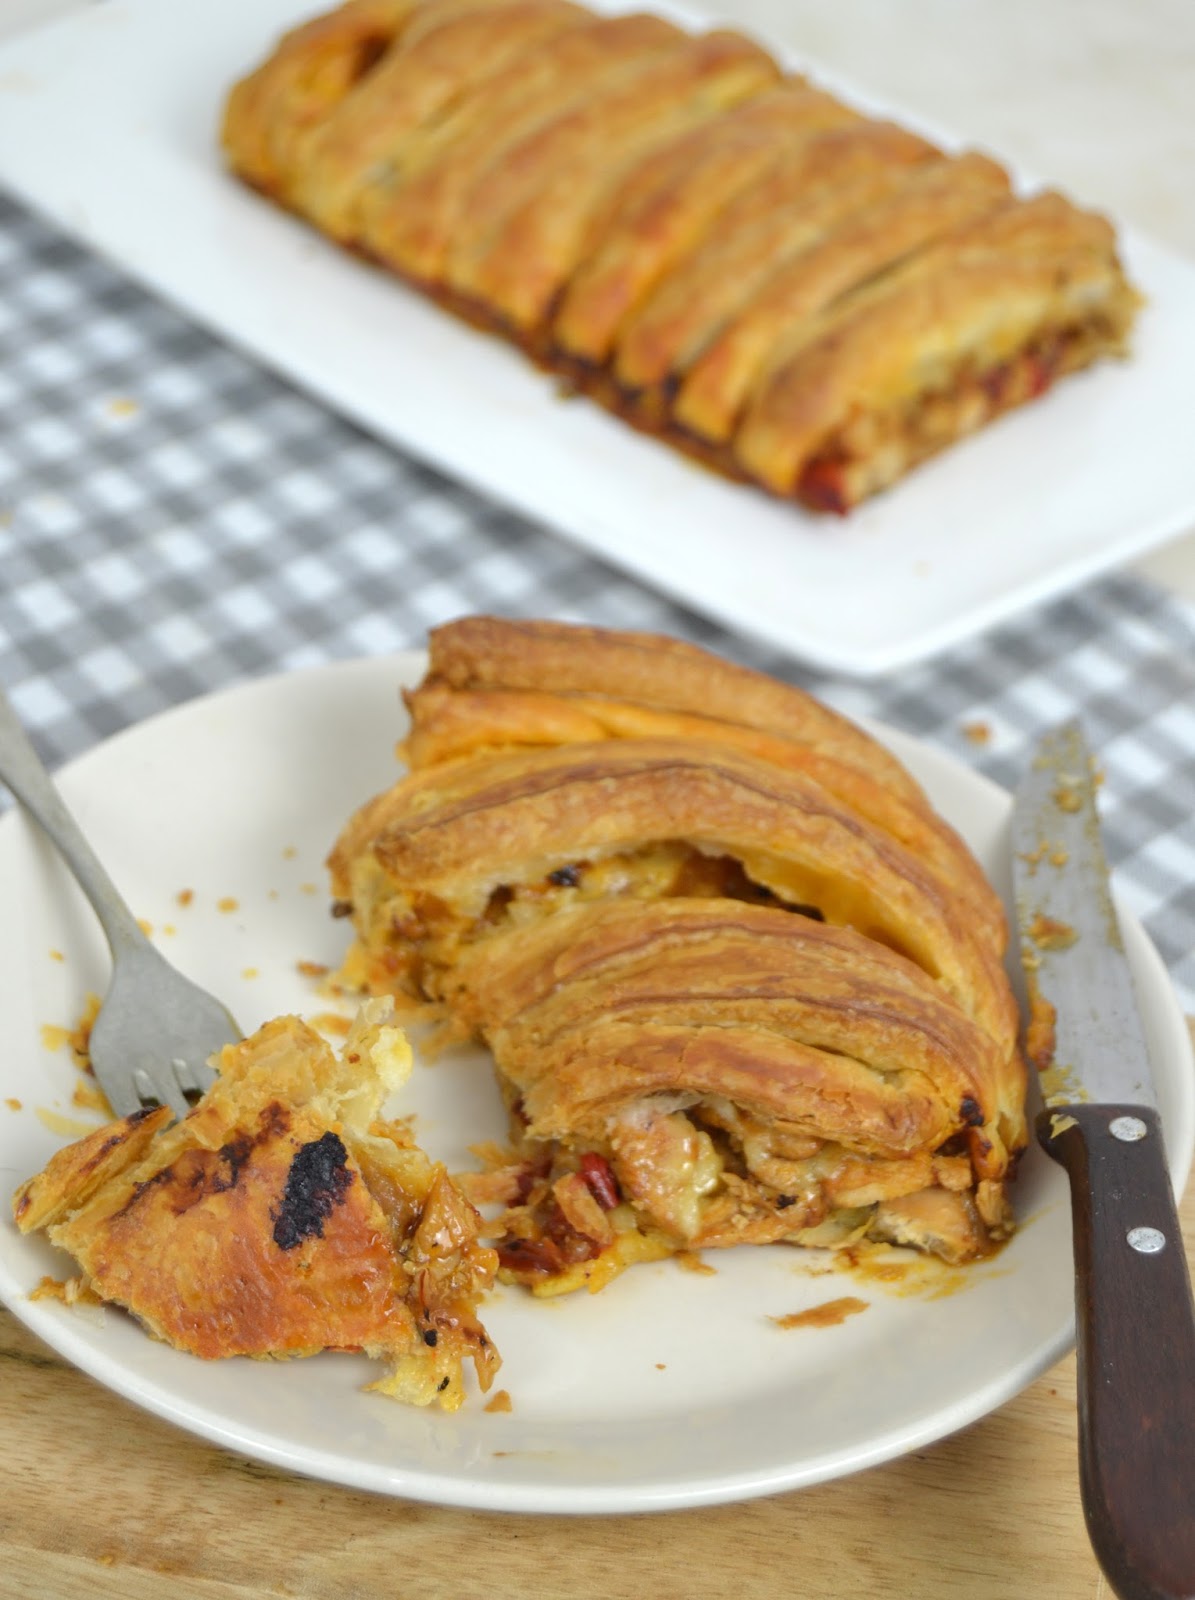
<point x="22" y="771"/>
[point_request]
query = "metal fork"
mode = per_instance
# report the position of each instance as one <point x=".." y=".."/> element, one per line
<point x="156" y="1029"/>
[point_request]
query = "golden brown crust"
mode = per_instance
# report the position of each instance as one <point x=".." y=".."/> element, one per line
<point x="529" y="218"/>
<point x="314" y="67"/>
<point x="493" y="682"/>
<point x="649" y="669"/>
<point x="669" y="222"/>
<point x="936" y="198"/>
<point x="79" y="1170"/>
<point x="995" y="287"/>
<point x="280" y="1218"/>
<point x="674" y="202"/>
<point x="370" y="132"/>
<point x="408" y="219"/>
<point x="454" y="836"/>
<point x="809" y="191"/>
<point x="546" y="993"/>
<point x="744" y="1073"/>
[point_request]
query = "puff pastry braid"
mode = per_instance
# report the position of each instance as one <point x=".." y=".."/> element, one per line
<point x="281" y="1218"/>
<point x="725" y="254"/>
<point x="739" y="981"/>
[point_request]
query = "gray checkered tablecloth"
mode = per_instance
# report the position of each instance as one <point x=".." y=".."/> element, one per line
<point x="174" y="519"/>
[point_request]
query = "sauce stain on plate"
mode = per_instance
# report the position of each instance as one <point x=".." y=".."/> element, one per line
<point x="828" y="1315"/>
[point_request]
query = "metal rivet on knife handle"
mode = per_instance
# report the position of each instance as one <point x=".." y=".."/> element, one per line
<point x="1147" y="1241"/>
<point x="1128" y="1129"/>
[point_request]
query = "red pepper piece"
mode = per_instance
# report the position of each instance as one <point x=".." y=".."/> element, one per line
<point x="600" y="1180"/>
<point x="1043" y="364"/>
<point x="994" y="382"/>
<point x="823" y="486"/>
<point x="531" y="1255"/>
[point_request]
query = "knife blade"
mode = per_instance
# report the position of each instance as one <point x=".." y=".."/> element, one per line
<point x="1135" y="1324"/>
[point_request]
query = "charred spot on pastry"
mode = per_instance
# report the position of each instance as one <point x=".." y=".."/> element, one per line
<point x="567" y="877"/>
<point x="430" y="1336"/>
<point x="342" y="908"/>
<point x="272" y="1121"/>
<point x="370" y="51"/>
<point x="166" y="1175"/>
<point x="234" y="1156"/>
<point x="783" y="1201"/>
<point x="200" y="1173"/>
<point x="500" y="898"/>
<point x="970" y="1112"/>
<point x="443" y="1384"/>
<point x="119" y="1137"/>
<point x="956" y="1145"/>
<point x="315" y="1185"/>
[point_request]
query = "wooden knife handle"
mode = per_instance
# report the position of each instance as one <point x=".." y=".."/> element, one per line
<point x="1136" y="1349"/>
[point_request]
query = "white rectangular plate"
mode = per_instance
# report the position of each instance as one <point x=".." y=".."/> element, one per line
<point x="108" y="124"/>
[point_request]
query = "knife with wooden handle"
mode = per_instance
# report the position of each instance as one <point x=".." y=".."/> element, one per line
<point x="1135" y="1323"/>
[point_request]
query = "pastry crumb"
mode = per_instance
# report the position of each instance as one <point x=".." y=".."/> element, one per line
<point x="500" y="1402"/>
<point x="71" y="1291"/>
<point x="1048" y="933"/>
<point x="185" y="896"/>
<point x="978" y="732"/>
<point x="13" y="1103"/>
<point x="692" y="1261"/>
<point x="78" y="1035"/>
<point x="331" y="1022"/>
<point x="88" y="1096"/>
<point x="228" y="902"/>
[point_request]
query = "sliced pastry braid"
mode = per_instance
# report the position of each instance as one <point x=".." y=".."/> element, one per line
<point x="281" y="1217"/>
<point x="732" y="1074"/>
<point x="725" y="254"/>
<point x="685" y="905"/>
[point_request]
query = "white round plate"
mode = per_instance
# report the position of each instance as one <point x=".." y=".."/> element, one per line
<point x="670" y="1387"/>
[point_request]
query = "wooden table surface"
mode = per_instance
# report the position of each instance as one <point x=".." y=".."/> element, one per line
<point x="101" y="1500"/>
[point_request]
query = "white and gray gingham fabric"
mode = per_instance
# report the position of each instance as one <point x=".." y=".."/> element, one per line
<point x="173" y="519"/>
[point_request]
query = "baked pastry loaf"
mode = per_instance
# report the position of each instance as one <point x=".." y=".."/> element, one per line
<point x="713" y="934"/>
<point x="725" y="254"/>
<point x="281" y="1218"/>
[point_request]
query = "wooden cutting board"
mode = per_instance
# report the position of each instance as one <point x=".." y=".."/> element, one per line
<point x="101" y="1500"/>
